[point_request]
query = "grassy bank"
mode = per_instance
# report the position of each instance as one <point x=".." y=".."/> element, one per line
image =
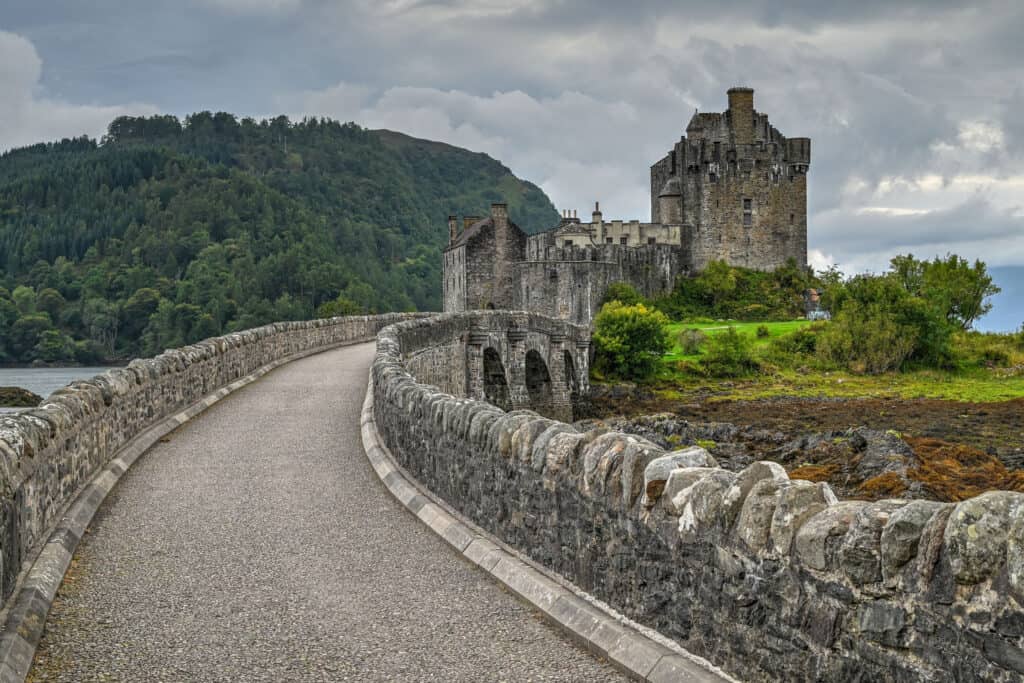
<point x="975" y="378"/>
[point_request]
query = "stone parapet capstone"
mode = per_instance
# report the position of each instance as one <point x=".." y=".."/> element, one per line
<point x="770" y="578"/>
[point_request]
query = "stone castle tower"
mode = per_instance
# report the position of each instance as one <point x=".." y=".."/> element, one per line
<point x="732" y="189"/>
<point x="738" y="186"/>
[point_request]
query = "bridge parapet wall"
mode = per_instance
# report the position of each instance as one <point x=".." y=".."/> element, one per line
<point x="771" y="578"/>
<point x="48" y="453"/>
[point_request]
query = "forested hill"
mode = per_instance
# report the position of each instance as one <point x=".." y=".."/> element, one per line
<point x="167" y="231"/>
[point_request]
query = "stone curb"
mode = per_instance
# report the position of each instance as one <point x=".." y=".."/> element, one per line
<point x="601" y="632"/>
<point x="36" y="589"/>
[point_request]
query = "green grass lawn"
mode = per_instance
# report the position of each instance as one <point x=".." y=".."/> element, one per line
<point x="775" y="329"/>
<point x="676" y="381"/>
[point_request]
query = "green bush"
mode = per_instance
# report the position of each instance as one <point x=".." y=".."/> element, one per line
<point x="730" y="354"/>
<point x="763" y="332"/>
<point x="800" y="342"/>
<point x="878" y="325"/>
<point x="629" y="340"/>
<point x="624" y="293"/>
<point x="690" y="341"/>
<point x="866" y="339"/>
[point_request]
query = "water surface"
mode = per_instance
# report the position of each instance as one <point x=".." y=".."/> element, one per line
<point x="44" y="381"/>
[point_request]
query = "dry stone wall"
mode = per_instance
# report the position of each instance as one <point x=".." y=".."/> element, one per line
<point x="771" y="578"/>
<point x="48" y="453"/>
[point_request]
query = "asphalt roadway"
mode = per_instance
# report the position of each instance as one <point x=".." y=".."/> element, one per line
<point x="255" y="543"/>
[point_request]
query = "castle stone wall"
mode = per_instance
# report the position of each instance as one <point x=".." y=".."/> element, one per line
<point x="570" y="282"/>
<point x="48" y="453"/>
<point x="772" y="579"/>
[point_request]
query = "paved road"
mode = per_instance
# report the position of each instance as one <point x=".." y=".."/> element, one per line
<point x="256" y="544"/>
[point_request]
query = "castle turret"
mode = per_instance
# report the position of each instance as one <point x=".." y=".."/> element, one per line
<point x="453" y="228"/>
<point x="670" y="201"/>
<point x="741" y="115"/>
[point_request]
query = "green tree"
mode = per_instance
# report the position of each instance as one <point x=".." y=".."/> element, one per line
<point x="630" y="340"/>
<point x="962" y="289"/>
<point x="51" y="302"/>
<point x="25" y="299"/>
<point x="54" y="346"/>
<point x="338" y="307"/>
<point x="25" y="334"/>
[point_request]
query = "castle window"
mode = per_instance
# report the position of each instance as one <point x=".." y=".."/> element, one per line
<point x="609" y="240"/>
<point x="624" y="239"/>
<point x="568" y="243"/>
<point x="652" y="240"/>
<point x="792" y="218"/>
<point x="713" y="177"/>
<point x="748" y="212"/>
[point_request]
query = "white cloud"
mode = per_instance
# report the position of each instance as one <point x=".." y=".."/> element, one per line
<point x="27" y="118"/>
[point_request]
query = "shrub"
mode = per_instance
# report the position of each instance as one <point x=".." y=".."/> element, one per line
<point x="624" y="293"/>
<point x="629" y="340"/>
<point x="763" y="332"/>
<point x="878" y="325"/>
<point x="866" y="339"/>
<point x="730" y="354"/>
<point x="802" y="341"/>
<point x="690" y="341"/>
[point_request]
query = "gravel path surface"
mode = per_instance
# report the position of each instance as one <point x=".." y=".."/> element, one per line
<point x="256" y="544"/>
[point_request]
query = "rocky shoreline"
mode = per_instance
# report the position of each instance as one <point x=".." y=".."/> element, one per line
<point x="16" y="397"/>
<point x="858" y="463"/>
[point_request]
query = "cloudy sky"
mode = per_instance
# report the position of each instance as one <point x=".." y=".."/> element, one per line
<point x="916" y="109"/>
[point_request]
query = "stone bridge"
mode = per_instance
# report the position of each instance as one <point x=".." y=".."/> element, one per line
<point x="508" y="359"/>
<point x="266" y="535"/>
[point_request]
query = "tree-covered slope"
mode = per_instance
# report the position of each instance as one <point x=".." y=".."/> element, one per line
<point x="167" y="232"/>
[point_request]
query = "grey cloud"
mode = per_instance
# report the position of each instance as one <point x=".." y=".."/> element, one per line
<point x="583" y="95"/>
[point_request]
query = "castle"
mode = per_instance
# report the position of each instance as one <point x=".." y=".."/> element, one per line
<point x="732" y="189"/>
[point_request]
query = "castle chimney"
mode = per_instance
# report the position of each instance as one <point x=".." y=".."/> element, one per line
<point x="596" y="216"/>
<point x="453" y="228"/>
<point x="741" y="115"/>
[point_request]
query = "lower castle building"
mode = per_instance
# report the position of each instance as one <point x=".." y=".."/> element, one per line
<point x="732" y="189"/>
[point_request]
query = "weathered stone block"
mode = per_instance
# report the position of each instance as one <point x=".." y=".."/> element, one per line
<point x="976" y="534"/>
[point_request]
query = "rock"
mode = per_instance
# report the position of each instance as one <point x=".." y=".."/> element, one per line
<point x="700" y="505"/>
<point x="882" y="622"/>
<point x="682" y="479"/>
<point x="1015" y="552"/>
<point x="816" y="540"/>
<point x="745" y="481"/>
<point x="658" y="470"/>
<point x="16" y="397"/>
<point x="902" y="534"/>
<point x="860" y="553"/>
<point x="755" y="520"/>
<point x="797" y="504"/>
<point x="977" y="532"/>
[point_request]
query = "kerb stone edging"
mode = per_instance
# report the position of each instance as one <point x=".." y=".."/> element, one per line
<point x="36" y="590"/>
<point x="627" y="646"/>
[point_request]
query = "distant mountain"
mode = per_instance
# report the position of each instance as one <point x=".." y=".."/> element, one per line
<point x="1007" y="313"/>
<point x="169" y="231"/>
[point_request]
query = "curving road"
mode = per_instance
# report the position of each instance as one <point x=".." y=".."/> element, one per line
<point x="256" y="544"/>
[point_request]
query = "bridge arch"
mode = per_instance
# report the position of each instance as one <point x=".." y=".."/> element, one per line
<point x="496" y="390"/>
<point x="538" y="379"/>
